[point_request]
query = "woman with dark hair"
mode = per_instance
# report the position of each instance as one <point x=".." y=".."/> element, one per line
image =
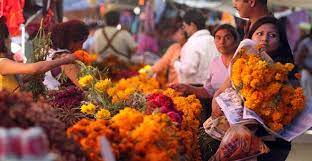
<point x="173" y="52"/>
<point x="226" y="39"/>
<point x="269" y="34"/>
<point x="66" y="37"/>
<point x="8" y="67"/>
<point x="69" y="35"/>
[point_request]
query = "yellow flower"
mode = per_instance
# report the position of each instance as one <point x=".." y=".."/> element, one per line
<point x="85" y="81"/>
<point x="146" y="69"/>
<point x="103" y="114"/>
<point x="103" y="85"/>
<point x="278" y="76"/>
<point x="289" y="66"/>
<point x="88" y="109"/>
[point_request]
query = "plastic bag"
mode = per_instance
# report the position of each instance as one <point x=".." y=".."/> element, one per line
<point x="239" y="144"/>
<point x="216" y="128"/>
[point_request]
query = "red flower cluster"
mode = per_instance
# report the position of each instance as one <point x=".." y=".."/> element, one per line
<point x="165" y="104"/>
<point x="68" y="97"/>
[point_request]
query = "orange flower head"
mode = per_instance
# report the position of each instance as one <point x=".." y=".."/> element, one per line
<point x="85" y="57"/>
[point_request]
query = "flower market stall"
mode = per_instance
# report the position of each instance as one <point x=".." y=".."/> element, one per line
<point x="140" y="120"/>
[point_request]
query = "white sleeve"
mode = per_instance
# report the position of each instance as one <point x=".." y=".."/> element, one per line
<point x="97" y="46"/>
<point x="188" y="65"/>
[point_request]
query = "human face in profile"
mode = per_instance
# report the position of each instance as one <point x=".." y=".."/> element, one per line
<point x="243" y="7"/>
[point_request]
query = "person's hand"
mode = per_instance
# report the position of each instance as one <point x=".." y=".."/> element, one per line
<point x="216" y="109"/>
<point x="68" y="58"/>
<point x="183" y="89"/>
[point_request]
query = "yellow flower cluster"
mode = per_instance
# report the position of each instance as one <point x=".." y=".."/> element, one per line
<point x="103" y="85"/>
<point x="103" y="114"/>
<point x="85" y="80"/>
<point x="125" y="87"/>
<point x="126" y="120"/>
<point x="156" y="130"/>
<point x="91" y="109"/>
<point x="143" y="138"/>
<point x="88" y="108"/>
<point x="266" y="90"/>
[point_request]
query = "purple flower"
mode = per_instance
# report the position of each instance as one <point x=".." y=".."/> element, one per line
<point x="175" y="117"/>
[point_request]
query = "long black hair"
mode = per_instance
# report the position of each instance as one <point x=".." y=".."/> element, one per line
<point x="4" y="34"/>
<point x="283" y="53"/>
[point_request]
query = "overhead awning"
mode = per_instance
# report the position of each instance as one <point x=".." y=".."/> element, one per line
<point x="72" y="5"/>
<point x="221" y="5"/>
<point x="225" y="5"/>
<point x="292" y="3"/>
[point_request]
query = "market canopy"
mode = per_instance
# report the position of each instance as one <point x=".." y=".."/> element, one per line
<point x="293" y="3"/>
<point x="226" y="5"/>
<point x="217" y="5"/>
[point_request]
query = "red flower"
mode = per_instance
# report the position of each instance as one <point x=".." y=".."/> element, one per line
<point x="175" y="116"/>
<point x="165" y="105"/>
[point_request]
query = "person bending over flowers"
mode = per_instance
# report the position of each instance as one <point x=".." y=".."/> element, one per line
<point x="9" y="68"/>
<point x="69" y="37"/>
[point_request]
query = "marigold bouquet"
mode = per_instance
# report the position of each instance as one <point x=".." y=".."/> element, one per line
<point x="266" y="89"/>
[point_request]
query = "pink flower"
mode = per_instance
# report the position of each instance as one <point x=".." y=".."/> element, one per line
<point x="165" y="105"/>
<point x="175" y="117"/>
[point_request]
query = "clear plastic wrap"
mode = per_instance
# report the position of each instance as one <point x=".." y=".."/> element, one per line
<point x="239" y="144"/>
<point x="216" y="128"/>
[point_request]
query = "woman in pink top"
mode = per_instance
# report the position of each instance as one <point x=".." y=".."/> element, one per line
<point x="173" y="52"/>
<point x="226" y="40"/>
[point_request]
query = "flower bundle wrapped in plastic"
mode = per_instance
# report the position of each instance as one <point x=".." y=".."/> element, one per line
<point x="261" y="95"/>
<point x="239" y="144"/>
<point x="266" y="89"/>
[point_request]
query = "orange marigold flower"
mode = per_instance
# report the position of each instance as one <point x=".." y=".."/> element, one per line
<point x="275" y="126"/>
<point x="289" y="66"/>
<point x="84" y="56"/>
<point x="277" y="116"/>
<point x="298" y="76"/>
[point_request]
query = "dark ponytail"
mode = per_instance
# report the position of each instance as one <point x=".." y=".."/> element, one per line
<point x="4" y="34"/>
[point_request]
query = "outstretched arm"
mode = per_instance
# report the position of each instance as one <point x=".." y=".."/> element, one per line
<point x="8" y="66"/>
<point x="185" y="89"/>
